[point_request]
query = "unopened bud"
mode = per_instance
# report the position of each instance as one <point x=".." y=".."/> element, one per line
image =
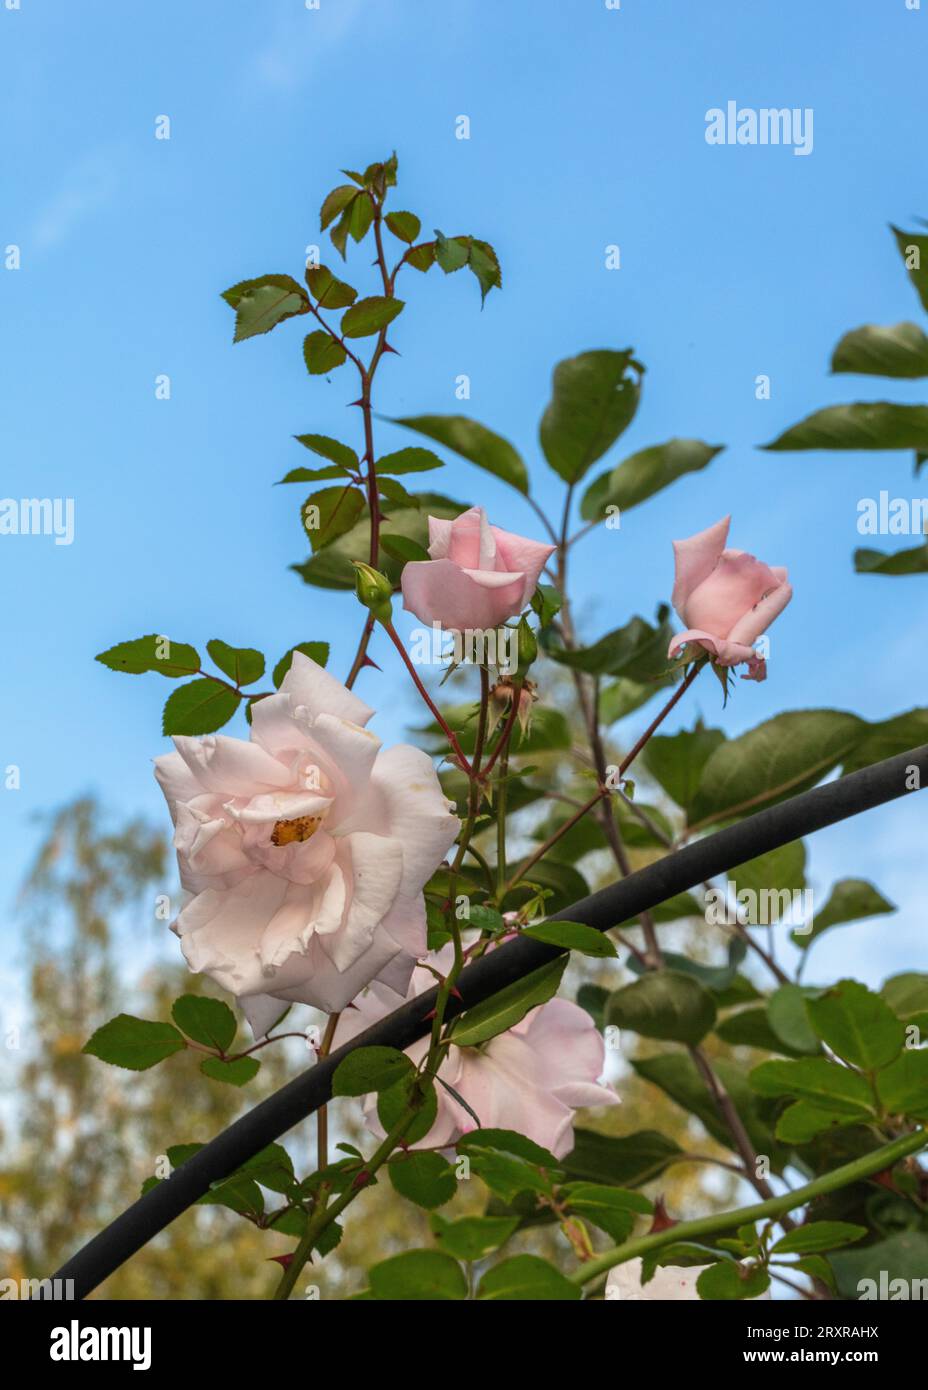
<point x="528" y="646"/>
<point x="374" y="590"/>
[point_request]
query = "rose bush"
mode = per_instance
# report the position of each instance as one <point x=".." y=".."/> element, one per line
<point x="315" y="863"/>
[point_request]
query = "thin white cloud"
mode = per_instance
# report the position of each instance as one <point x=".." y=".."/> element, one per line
<point x="88" y="185"/>
<point x="300" y="37"/>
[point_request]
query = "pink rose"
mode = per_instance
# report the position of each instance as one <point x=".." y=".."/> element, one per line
<point x="530" y="1079"/>
<point x="305" y="850"/>
<point x="726" y="598"/>
<point x="670" y="1283"/>
<point x="478" y="575"/>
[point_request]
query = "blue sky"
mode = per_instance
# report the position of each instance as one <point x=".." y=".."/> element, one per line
<point x="587" y="129"/>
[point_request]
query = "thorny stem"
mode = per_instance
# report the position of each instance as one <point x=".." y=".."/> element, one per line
<point x="436" y="713"/>
<point x="324" y="1214"/>
<point x="773" y="1209"/>
<point x="367" y="380"/>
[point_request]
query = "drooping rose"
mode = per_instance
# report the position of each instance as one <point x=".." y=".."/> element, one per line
<point x="531" y="1079"/>
<point x="670" y="1283"/>
<point x="726" y="598"/>
<point x="478" y="575"/>
<point x="305" y="850"/>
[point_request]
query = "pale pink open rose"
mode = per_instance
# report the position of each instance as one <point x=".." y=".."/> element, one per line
<point x="531" y="1079"/>
<point x="478" y="575"/>
<point x="670" y="1283"/>
<point x="726" y="598"/>
<point x="305" y="850"/>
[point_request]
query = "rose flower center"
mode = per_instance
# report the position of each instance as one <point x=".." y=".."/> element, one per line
<point x="295" y="831"/>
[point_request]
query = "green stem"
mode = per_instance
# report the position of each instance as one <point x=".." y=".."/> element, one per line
<point x="775" y="1207"/>
<point x="325" y="1215"/>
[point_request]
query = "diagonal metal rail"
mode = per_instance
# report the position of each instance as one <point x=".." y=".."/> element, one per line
<point x="766" y="830"/>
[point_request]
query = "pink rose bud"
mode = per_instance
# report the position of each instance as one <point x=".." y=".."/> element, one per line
<point x="478" y="575"/>
<point x="726" y="598"/>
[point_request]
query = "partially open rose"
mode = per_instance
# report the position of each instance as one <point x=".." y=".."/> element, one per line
<point x="726" y="598"/>
<point x="478" y="575"/>
<point x="305" y="850"/>
<point x="531" y="1078"/>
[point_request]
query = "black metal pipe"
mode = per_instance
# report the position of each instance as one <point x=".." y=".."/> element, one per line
<point x="788" y="820"/>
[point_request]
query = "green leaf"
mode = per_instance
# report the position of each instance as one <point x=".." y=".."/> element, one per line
<point x="335" y="203"/>
<point x="574" y="936"/>
<point x="424" y="1178"/>
<point x="897" y="351"/>
<point x="330" y="292"/>
<point x="152" y="653"/>
<point x="624" y="696"/>
<point x="369" y="1069"/>
<point x="637" y="650"/>
<point x="331" y="449"/>
<point x="750" y="1027"/>
<point x="781" y="757"/>
<point x="332" y="568"/>
<point x="272" y="1168"/>
<point x="857" y="1024"/>
<point x="895" y="1266"/>
<point x="394" y="1100"/>
<point x="887" y="738"/>
<point x="527" y="1278"/>
<point x="802" y="1122"/>
<point x="243" y="665"/>
<point x="421" y="257"/>
<point x="509" y="1141"/>
<point x="237" y="1072"/>
<point x="676" y="761"/>
<point x="453" y="253"/>
<point x="863" y="425"/>
<point x="903" y="1086"/>
<point x="611" y="1209"/>
<point x="262" y="304"/>
<point x="786" y="1011"/>
<point x="851" y="900"/>
<point x="399" y="548"/>
<point x="814" y="1236"/>
<point x="331" y="512"/>
<point x="629" y="1160"/>
<point x="200" y="707"/>
<point x="664" y="1004"/>
<point x="643" y="474"/>
<point x="907" y="996"/>
<point x="316" y="651"/>
<point x="322" y="353"/>
<point x="767" y="889"/>
<point x="207" y="1021"/>
<point x="419" y="1275"/>
<point x="593" y="399"/>
<point x="727" y="1280"/>
<point x="134" y="1043"/>
<point x="404" y="225"/>
<point x="370" y="315"/>
<point x="472" y="441"/>
<point x="472" y="1237"/>
<point x="506" y="1008"/>
<point x="912" y="560"/>
<point x="411" y="460"/>
<point x="913" y="247"/>
<point x="827" y="1085"/>
<point x="239" y="1193"/>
